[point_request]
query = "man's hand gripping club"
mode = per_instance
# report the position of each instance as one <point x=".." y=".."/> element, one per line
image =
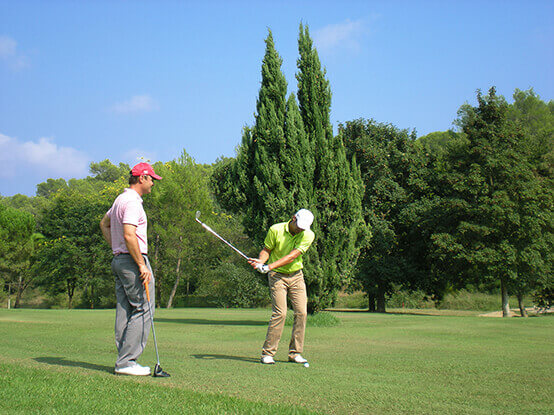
<point x="259" y="263"/>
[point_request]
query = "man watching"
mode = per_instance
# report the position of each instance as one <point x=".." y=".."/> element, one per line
<point x="124" y="227"/>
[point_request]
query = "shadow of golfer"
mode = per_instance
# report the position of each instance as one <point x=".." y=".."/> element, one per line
<point x="225" y="357"/>
<point x="211" y="322"/>
<point x="60" y="361"/>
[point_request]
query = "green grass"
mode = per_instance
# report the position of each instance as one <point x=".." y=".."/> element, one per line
<point x="321" y="319"/>
<point x="60" y="361"/>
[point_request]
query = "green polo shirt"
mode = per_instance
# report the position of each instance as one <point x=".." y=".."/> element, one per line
<point x="281" y="242"/>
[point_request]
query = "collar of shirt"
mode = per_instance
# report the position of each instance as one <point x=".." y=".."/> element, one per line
<point x="287" y="228"/>
<point x="133" y="192"/>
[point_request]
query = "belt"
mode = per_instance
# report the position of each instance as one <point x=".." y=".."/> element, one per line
<point x="288" y="274"/>
<point x="127" y="253"/>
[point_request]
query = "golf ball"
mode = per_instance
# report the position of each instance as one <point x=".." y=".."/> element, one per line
<point x="306" y="364"/>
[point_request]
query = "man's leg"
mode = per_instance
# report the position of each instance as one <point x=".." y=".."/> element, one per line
<point x="299" y="302"/>
<point x="132" y="333"/>
<point x="278" y="291"/>
<point x="122" y="311"/>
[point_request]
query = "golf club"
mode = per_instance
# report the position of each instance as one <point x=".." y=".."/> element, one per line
<point x="216" y="235"/>
<point x="158" y="371"/>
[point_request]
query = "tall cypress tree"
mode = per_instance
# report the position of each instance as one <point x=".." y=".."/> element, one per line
<point x="290" y="160"/>
<point x="271" y="176"/>
<point x="266" y="186"/>
<point x="338" y="188"/>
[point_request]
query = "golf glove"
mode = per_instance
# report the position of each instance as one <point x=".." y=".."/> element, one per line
<point x="264" y="269"/>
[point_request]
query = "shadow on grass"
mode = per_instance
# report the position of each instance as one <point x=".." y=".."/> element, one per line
<point x="225" y="357"/>
<point x="348" y="310"/>
<point x="211" y="322"/>
<point x="409" y="312"/>
<point x="60" y="361"/>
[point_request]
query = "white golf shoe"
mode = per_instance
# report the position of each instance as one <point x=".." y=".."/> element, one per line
<point x="267" y="360"/>
<point x="134" y="369"/>
<point x="297" y="359"/>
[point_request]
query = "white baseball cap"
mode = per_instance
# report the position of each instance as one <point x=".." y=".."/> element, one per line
<point x="304" y="219"/>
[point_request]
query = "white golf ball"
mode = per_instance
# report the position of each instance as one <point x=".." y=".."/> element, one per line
<point x="306" y="364"/>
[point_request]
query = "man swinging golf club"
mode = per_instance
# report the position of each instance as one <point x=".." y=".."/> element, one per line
<point x="284" y="246"/>
<point x="124" y="228"/>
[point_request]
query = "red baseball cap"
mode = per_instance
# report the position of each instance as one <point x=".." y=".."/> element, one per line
<point x="143" y="169"/>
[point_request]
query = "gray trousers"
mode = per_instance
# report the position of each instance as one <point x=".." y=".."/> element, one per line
<point x="132" y="318"/>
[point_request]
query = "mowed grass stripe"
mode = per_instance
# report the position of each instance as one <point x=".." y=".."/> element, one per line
<point x="369" y="363"/>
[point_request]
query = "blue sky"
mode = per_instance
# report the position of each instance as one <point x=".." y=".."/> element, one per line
<point x="83" y="81"/>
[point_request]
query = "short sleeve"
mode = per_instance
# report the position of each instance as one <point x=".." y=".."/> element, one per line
<point x="269" y="241"/>
<point x="306" y="241"/>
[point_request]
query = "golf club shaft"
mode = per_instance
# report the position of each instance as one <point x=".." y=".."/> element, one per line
<point x="152" y="322"/>
<point x="221" y="239"/>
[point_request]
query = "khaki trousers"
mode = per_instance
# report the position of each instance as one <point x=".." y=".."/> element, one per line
<point x="280" y="285"/>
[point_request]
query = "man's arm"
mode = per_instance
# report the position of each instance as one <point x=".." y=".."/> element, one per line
<point x="130" y="235"/>
<point x="105" y="226"/>
<point x="287" y="259"/>
<point x="264" y="256"/>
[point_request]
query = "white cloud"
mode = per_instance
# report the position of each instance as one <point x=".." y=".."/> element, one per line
<point x="43" y="156"/>
<point x="137" y="103"/>
<point x="345" y="35"/>
<point x="9" y="54"/>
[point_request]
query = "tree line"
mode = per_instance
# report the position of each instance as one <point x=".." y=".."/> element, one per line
<point x="468" y="207"/>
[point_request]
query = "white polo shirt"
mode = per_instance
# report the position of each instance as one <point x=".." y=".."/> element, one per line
<point x="127" y="209"/>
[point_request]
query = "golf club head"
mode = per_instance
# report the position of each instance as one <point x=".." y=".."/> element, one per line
<point x="197" y="215"/>
<point x="159" y="372"/>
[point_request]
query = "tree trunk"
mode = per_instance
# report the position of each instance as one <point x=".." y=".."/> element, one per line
<point x="92" y="297"/>
<point x="371" y="303"/>
<point x="19" y="292"/>
<point x="381" y="302"/>
<point x="70" y="292"/>
<point x="522" y="309"/>
<point x="9" y="295"/>
<point x="174" y="289"/>
<point x="505" y="299"/>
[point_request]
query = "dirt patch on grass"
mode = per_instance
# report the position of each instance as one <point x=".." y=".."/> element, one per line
<point x="514" y="312"/>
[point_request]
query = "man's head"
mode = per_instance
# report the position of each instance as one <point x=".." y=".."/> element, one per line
<point x="142" y="178"/>
<point x="301" y="221"/>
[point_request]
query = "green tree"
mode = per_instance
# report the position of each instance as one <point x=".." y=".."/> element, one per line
<point x="107" y="172"/>
<point x="395" y="188"/>
<point x="234" y="285"/>
<point x="257" y="175"/>
<point x="175" y="239"/>
<point x="282" y="166"/>
<point x="74" y="254"/>
<point x="337" y="184"/>
<point x="495" y="221"/>
<point x="265" y="180"/>
<point x="18" y="244"/>
<point x="48" y="188"/>
<point x="438" y="144"/>
<point x="33" y="205"/>
<point x="536" y="118"/>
